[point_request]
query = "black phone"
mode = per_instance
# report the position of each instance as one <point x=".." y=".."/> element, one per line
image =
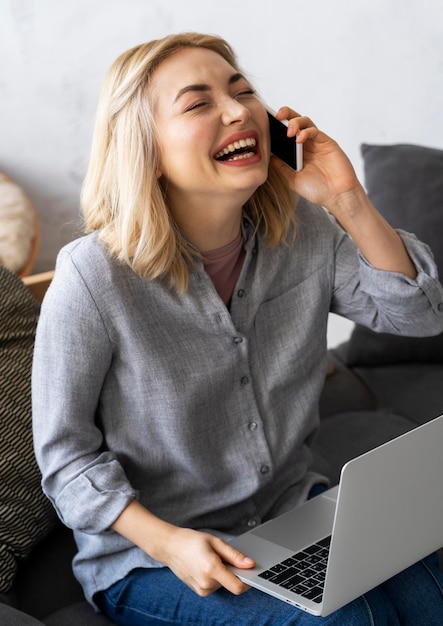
<point x="283" y="146"/>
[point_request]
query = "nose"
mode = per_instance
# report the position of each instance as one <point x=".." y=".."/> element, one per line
<point x="234" y="112"/>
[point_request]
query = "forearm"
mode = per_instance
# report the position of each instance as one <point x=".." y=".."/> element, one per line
<point x="197" y="558"/>
<point x="145" y="530"/>
<point x="376" y="239"/>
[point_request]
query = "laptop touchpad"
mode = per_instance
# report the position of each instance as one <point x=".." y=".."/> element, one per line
<point x="302" y="526"/>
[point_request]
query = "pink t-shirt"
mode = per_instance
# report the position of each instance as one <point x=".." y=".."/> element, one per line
<point x="224" y="266"/>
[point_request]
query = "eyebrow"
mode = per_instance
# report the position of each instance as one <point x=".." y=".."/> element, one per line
<point x="203" y="87"/>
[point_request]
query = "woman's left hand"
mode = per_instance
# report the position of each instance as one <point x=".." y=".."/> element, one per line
<point x="327" y="173"/>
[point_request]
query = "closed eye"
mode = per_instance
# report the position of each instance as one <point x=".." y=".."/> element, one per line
<point x="245" y="94"/>
<point x="196" y="105"/>
<point x="202" y="103"/>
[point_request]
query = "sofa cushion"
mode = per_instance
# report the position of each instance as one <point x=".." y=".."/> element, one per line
<point x="409" y="389"/>
<point x="345" y="436"/>
<point x="45" y="582"/>
<point x="9" y="616"/>
<point x="368" y="348"/>
<point x="76" y="614"/>
<point x="343" y="391"/>
<point x="405" y="183"/>
<point x="25" y="514"/>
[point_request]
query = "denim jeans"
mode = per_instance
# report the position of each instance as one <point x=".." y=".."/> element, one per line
<point x="151" y="597"/>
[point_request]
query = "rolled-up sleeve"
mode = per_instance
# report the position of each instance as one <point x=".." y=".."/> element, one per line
<point x="390" y="301"/>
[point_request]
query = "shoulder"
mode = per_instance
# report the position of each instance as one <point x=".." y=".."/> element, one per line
<point x="84" y="253"/>
<point x="85" y="274"/>
<point x="88" y="260"/>
<point x="85" y="270"/>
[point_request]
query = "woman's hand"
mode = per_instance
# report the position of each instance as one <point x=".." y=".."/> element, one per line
<point x="327" y="173"/>
<point x="199" y="559"/>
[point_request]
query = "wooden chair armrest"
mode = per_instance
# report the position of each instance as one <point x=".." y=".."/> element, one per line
<point x="38" y="283"/>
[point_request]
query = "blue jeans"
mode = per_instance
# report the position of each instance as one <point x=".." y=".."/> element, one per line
<point x="154" y="597"/>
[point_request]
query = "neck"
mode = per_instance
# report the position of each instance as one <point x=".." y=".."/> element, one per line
<point x="208" y="228"/>
<point x="207" y="237"/>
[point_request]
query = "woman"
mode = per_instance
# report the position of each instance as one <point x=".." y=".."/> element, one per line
<point x="181" y="348"/>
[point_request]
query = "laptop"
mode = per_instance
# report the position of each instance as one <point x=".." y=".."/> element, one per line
<point x="385" y="514"/>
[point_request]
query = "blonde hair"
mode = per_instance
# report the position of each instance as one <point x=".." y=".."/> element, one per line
<point x="122" y="196"/>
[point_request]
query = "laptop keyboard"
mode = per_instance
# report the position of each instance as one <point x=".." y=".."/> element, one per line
<point x="303" y="573"/>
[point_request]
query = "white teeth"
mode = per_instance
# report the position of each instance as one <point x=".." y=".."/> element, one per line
<point x="237" y="145"/>
<point x="238" y="157"/>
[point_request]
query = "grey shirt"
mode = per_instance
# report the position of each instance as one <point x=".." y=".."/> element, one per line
<point x="204" y="415"/>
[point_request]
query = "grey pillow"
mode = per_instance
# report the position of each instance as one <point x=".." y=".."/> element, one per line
<point x="26" y="515"/>
<point x="405" y="183"/>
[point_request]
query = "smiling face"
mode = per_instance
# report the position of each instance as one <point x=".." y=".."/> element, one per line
<point x="212" y="131"/>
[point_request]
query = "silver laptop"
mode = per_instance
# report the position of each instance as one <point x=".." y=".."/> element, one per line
<point x="386" y="514"/>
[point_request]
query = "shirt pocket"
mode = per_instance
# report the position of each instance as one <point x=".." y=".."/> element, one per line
<point x="290" y="329"/>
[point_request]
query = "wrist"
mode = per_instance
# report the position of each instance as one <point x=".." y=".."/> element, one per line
<point x="161" y="543"/>
<point x="349" y="204"/>
<point x="145" y="530"/>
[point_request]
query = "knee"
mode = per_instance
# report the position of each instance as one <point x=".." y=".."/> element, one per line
<point x="372" y="609"/>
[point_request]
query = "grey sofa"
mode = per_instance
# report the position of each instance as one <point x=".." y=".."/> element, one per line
<point x="378" y="387"/>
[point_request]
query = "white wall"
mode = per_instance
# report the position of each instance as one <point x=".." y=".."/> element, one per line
<point x="364" y="71"/>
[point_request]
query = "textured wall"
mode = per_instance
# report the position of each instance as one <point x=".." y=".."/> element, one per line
<point x="364" y="71"/>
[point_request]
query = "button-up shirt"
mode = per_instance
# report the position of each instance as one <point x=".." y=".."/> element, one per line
<point x="204" y="414"/>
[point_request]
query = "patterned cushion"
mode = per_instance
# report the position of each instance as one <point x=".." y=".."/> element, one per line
<point x="26" y="516"/>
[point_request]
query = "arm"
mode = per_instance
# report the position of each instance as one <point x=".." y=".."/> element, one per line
<point x="196" y="558"/>
<point x="328" y="179"/>
<point x="85" y="481"/>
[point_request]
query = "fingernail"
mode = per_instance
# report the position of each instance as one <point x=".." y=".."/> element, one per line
<point x="247" y="560"/>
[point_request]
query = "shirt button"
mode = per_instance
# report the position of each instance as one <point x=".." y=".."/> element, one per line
<point x="244" y="380"/>
<point x="252" y="425"/>
<point x="241" y="293"/>
<point x="238" y="339"/>
<point x="252" y="522"/>
<point x="264" y="469"/>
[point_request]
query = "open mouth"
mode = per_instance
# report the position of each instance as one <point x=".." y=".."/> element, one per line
<point x="241" y="149"/>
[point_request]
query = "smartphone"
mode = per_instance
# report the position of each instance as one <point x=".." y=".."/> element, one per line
<point x="283" y="146"/>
